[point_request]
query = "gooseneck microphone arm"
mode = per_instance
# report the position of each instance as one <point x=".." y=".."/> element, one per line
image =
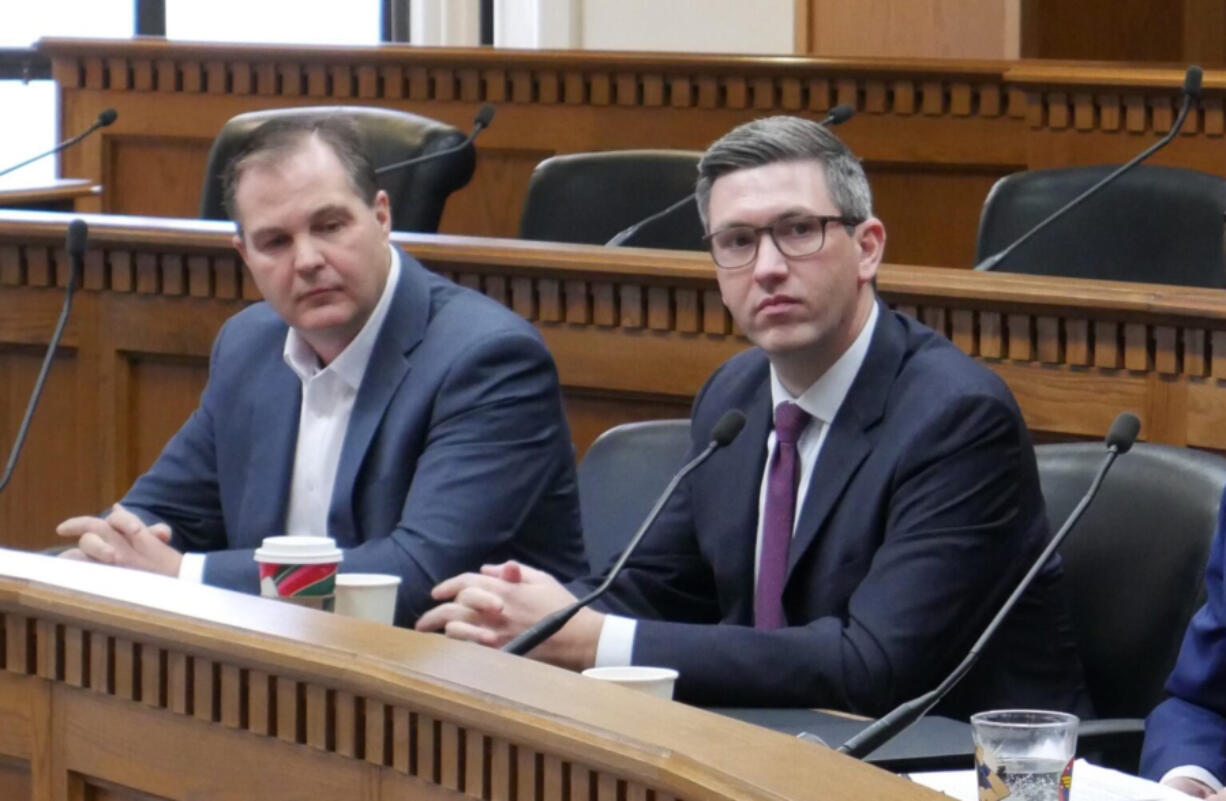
<point x="1119" y="440"/>
<point x="1191" y="91"/>
<point x="481" y="121"/>
<point x="77" y="234"/>
<point x="724" y="431"/>
<point x="837" y="116"/>
<point x="104" y="119"/>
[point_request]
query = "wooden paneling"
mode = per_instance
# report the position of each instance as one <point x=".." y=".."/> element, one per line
<point x="634" y="334"/>
<point x="910" y="28"/>
<point x="932" y="132"/>
<point x="442" y="720"/>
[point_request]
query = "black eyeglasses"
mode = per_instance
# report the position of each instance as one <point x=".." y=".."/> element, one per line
<point x="795" y="236"/>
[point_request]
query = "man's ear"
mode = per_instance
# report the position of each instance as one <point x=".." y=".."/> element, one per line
<point x="870" y="238"/>
<point x="383" y="211"/>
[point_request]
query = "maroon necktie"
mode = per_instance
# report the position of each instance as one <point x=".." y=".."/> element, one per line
<point x="778" y="514"/>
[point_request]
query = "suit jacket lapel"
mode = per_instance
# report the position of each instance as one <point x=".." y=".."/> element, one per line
<point x="274" y="416"/>
<point x="403" y="329"/>
<point x="749" y="448"/>
<point x="848" y="442"/>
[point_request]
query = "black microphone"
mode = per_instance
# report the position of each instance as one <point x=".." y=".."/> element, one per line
<point x="75" y="244"/>
<point x="1191" y="91"/>
<point x="481" y="121"/>
<point x="1122" y="434"/>
<point x="837" y="116"/>
<point x="104" y="119"/>
<point x="723" y="432"/>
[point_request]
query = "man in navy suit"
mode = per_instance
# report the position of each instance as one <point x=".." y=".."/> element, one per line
<point x="417" y="423"/>
<point x="846" y="549"/>
<point x="1185" y="736"/>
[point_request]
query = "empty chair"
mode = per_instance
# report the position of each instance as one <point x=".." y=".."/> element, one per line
<point x="590" y="197"/>
<point x="418" y="193"/>
<point x="620" y="477"/>
<point x="1155" y="224"/>
<point x="1134" y="568"/>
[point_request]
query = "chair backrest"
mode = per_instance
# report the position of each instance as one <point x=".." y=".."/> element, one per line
<point x="417" y="193"/>
<point x="590" y="197"/>
<point x="1135" y="563"/>
<point x="620" y="477"/>
<point x="1155" y="224"/>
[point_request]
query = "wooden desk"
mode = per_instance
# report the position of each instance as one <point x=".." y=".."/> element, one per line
<point x="634" y="333"/>
<point x="60" y="194"/>
<point x="121" y="685"/>
<point x="934" y="134"/>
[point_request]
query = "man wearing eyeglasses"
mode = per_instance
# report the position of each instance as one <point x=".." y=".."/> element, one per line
<point x="848" y="547"/>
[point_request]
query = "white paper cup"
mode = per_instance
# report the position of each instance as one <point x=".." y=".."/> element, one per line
<point x="655" y="681"/>
<point x="370" y="596"/>
<point x="299" y="569"/>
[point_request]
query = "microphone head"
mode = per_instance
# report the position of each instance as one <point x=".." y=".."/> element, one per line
<point x="78" y="232"/>
<point x="1191" y="81"/>
<point x="485" y="115"/>
<point x="109" y="115"/>
<point x="840" y="114"/>
<point x="1123" y="432"/>
<point x="728" y="426"/>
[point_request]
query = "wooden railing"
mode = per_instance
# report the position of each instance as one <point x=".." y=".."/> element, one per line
<point x="934" y="135"/>
<point x="634" y="333"/>
<point x="124" y="685"/>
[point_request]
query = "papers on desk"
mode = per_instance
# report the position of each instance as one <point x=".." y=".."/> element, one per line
<point x="1090" y="783"/>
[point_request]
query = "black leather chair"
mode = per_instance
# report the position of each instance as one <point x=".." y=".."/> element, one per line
<point x="588" y="198"/>
<point x="1135" y="567"/>
<point x="620" y="477"/>
<point x="1155" y="224"/>
<point x="417" y="193"/>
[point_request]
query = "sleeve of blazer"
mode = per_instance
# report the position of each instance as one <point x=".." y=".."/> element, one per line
<point x="496" y="443"/>
<point x="181" y="488"/>
<point x="1189" y="728"/>
<point x="953" y="528"/>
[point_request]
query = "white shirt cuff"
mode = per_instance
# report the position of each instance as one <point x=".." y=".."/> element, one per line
<point x="616" y="644"/>
<point x="1193" y="772"/>
<point x="191" y="568"/>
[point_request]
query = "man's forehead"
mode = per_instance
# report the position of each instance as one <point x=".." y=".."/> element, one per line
<point x="795" y="183"/>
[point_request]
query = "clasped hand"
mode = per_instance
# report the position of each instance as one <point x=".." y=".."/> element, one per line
<point x="121" y="539"/>
<point x="501" y="601"/>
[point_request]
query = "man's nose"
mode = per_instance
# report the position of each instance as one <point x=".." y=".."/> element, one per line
<point x="770" y="265"/>
<point x="307" y="255"/>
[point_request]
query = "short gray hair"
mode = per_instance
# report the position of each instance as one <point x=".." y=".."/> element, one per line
<point x="775" y="139"/>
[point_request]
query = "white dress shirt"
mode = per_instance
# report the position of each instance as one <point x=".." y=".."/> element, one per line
<point x="328" y="395"/>
<point x="1193" y="772"/>
<point x="822" y="401"/>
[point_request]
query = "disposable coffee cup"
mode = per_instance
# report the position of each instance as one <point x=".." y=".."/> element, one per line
<point x="655" y="681"/>
<point x="1024" y="754"/>
<point x="301" y="570"/>
<point x="370" y="596"/>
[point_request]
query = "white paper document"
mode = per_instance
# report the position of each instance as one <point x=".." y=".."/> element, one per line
<point x="1090" y="783"/>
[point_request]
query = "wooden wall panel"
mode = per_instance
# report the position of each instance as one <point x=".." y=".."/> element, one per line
<point x="14" y="779"/>
<point x="157" y="176"/>
<point x="911" y="28"/>
<point x="162" y="393"/>
<point x="934" y="133"/>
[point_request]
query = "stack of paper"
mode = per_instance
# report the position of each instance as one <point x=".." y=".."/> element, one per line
<point x="1090" y="783"/>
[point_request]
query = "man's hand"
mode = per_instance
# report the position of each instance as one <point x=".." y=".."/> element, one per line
<point x="121" y="539"/>
<point x="1194" y="788"/>
<point x="502" y="601"/>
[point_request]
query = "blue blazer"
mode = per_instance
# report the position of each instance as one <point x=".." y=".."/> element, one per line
<point x="457" y="452"/>
<point x="924" y="509"/>
<point x="1189" y="727"/>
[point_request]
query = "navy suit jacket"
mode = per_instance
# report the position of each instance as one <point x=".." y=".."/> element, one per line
<point x="457" y="452"/>
<point x="1189" y="727"/>
<point x="924" y="508"/>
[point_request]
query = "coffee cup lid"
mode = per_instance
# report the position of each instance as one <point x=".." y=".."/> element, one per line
<point x="298" y="550"/>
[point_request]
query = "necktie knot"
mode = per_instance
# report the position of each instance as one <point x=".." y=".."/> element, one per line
<point x="790" y="420"/>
